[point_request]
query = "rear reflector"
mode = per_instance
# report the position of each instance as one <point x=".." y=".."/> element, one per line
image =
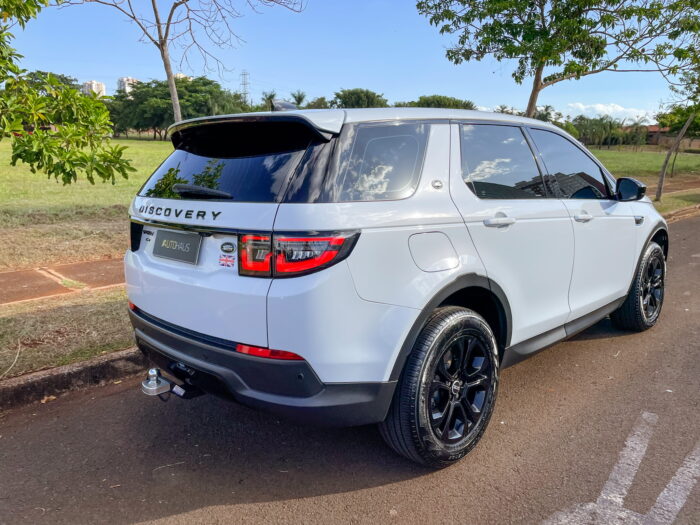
<point x="267" y="352"/>
<point x="132" y="306"/>
<point x="289" y="255"/>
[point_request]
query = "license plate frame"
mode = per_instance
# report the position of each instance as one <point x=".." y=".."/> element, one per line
<point x="178" y="246"/>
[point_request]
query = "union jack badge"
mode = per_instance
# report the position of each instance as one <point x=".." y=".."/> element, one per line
<point x="226" y="260"/>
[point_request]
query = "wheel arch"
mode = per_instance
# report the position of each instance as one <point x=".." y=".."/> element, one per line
<point x="476" y="292"/>
<point x="660" y="237"/>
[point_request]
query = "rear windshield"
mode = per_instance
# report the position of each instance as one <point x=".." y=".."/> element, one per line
<point x="262" y="178"/>
<point x="252" y="161"/>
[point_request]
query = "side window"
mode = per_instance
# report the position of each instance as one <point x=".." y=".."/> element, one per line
<point x="497" y="163"/>
<point x="576" y="173"/>
<point x="376" y="162"/>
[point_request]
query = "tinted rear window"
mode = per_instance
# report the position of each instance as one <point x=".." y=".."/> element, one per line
<point x="253" y="160"/>
<point x="262" y="178"/>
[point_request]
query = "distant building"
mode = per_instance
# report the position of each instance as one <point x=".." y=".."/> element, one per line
<point x="180" y="76"/>
<point x="93" y="86"/>
<point x="126" y="84"/>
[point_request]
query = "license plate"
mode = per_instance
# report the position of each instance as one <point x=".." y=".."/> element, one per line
<point x="177" y="246"/>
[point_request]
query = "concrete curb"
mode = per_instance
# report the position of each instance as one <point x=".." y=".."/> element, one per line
<point x="33" y="387"/>
<point x="682" y="213"/>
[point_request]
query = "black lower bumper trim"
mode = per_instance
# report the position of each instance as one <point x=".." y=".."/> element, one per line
<point x="286" y="388"/>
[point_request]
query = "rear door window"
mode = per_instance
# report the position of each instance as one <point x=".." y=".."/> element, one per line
<point x="577" y="175"/>
<point x="376" y="162"/>
<point x="497" y="163"/>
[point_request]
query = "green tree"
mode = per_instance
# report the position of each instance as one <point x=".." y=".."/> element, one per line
<point x="569" y="127"/>
<point x="553" y="41"/>
<point x="53" y="128"/>
<point x="438" y="101"/>
<point x="147" y="106"/>
<point x="677" y="115"/>
<point x="268" y="97"/>
<point x="298" y="97"/>
<point x="37" y="80"/>
<point x="318" y="103"/>
<point x="683" y="118"/>
<point x="547" y="114"/>
<point x="359" y="98"/>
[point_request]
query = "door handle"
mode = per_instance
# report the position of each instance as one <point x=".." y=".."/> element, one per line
<point x="583" y="217"/>
<point x="498" y="222"/>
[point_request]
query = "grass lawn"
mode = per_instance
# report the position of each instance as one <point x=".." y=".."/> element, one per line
<point x="61" y="330"/>
<point x="44" y="222"/>
<point x="645" y="166"/>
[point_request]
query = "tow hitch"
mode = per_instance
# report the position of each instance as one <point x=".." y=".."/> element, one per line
<point x="156" y="385"/>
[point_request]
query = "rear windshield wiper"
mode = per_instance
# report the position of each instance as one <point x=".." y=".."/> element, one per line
<point x="193" y="191"/>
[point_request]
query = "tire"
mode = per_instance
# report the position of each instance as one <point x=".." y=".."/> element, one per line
<point x="453" y="363"/>
<point x="642" y="307"/>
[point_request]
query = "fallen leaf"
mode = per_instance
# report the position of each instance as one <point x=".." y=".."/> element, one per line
<point x="47" y="399"/>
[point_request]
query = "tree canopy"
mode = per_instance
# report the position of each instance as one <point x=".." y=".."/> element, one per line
<point x="147" y="105"/>
<point x="438" y="101"/>
<point x="552" y="41"/>
<point x="677" y="115"/>
<point x="52" y="126"/>
<point x="359" y="98"/>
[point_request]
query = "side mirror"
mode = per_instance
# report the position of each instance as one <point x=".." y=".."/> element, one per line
<point x="629" y="189"/>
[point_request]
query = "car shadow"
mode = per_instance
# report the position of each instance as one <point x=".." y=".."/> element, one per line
<point x="603" y="329"/>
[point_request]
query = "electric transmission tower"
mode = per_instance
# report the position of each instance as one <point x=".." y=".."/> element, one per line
<point x="245" y="86"/>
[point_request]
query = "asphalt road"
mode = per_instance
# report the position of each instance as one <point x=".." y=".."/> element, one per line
<point x="558" y="440"/>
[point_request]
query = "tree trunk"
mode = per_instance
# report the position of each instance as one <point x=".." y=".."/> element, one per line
<point x="672" y="149"/>
<point x="536" y="87"/>
<point x="165" y="55"/>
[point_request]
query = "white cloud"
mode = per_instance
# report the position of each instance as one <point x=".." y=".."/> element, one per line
<point x="612" y="109"/>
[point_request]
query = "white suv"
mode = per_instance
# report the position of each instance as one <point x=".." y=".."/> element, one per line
<point x="364" y="266"/>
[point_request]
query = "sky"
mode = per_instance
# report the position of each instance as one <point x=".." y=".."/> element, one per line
<point x="382" y="45"/>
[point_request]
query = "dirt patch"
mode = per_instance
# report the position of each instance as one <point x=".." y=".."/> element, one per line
<point x="60" y="330"/>
<point x="93" y="273"/>
<point x="67" y="242"/>
<point x="27" y="284"/>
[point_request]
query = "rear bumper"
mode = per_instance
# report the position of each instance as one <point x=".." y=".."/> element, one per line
<point x="287" y="388"/>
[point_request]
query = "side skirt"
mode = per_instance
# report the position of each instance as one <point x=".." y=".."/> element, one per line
<point x="518" y="352"/>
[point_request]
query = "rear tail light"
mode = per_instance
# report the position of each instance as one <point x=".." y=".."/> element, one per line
<point x="290" y="255"/>
<point x="255" y="255"/>
<point x="268" y="353"/>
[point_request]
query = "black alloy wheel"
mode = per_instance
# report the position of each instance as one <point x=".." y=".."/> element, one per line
<point x="652" y="295"/>
<point x="643" y="303"/>
<point x="460" y="386"/>
<point x="447" y="390"/>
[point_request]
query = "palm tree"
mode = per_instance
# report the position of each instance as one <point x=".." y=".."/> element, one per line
<point x="298" y="97"/>
<point x="268" y="97"/>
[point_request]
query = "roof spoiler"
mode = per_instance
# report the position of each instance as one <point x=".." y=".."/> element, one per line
<point x="324" y="124"/>
<point x="246" y="135"/>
